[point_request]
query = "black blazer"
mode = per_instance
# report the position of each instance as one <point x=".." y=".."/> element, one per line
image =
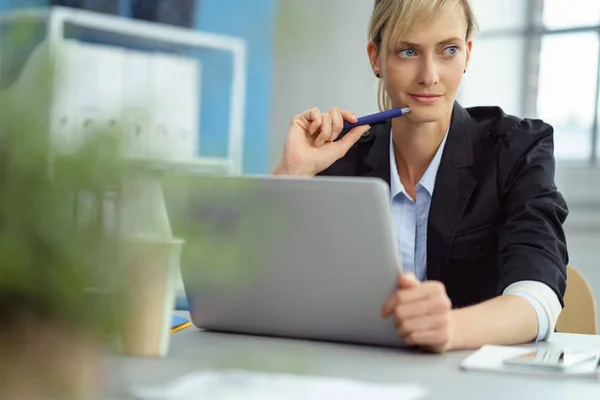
<point x="496" y="215"/>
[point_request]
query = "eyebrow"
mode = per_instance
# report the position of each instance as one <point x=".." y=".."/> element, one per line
<point x="445" y="41"/>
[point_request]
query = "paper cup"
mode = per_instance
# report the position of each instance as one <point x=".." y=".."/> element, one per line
<point x="152" y="269"/>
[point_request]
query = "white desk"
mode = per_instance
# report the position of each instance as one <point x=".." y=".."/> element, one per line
<point x="193" y="349"/>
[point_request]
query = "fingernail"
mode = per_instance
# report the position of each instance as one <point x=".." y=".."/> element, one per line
<point x="319" y="142"/>
<point x="334" y="136"/>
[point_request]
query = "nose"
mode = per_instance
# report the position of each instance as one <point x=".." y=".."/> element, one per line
<point x="428" y="74"/>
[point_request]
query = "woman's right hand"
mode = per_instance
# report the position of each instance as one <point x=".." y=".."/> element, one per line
<point x="310" y="147"/>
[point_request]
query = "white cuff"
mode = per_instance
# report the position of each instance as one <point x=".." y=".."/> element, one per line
<point x="545" y="297"/>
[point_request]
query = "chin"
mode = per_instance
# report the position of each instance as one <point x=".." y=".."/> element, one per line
<point x="420" y="115"/>
<point x="423" y="113"/>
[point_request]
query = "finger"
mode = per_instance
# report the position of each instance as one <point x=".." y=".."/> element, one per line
<point x="408" y="280"/>
<point x="349" y="116"/>
<point x="337" y="122"/>
<point x="421" y="292"/>
<point x="431" y="337"/>
<point x="404" y="312"/>
<point x="349" y="139"/>
<point x="430" y="306"/>
<point x="315" y="118"/>
<point x="427" y="300"/>
<point x="325" y="133"/>
<point x="389" y="306"/>
<point x="310" y="114"/>
<point x="422" y="323"/>
<point x="300" y="121"/>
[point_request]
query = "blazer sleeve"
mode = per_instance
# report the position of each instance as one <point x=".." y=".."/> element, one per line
<point x="532" y="244"/>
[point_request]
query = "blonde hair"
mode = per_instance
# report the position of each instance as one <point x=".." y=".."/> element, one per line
<point x="396" y="18"/>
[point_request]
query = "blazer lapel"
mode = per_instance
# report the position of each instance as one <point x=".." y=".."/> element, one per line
<point x="376" y="156"/>
<point x="453" y="189"/>
<point x="453" y="185"/>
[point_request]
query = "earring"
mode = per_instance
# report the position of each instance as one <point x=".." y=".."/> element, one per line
<point x="465" y="71"/>
<point x="378" y="75"/>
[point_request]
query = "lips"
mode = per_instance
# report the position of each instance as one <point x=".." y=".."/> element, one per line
<point x="426" y="98"/>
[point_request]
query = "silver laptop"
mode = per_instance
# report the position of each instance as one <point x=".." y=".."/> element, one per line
<point x="287" y="257"/>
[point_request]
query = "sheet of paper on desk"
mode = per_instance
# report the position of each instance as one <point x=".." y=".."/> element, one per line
<point x="237" y="384"/>
<point x="491" y="358"/>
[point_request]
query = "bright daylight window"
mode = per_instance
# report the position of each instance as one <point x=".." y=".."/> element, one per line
<point x="568" y="76"/>
<point x="542" y="63"/>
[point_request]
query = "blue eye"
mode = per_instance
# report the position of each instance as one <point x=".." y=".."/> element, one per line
<point x="451" y="50"/>
<point x="406" y="53"/>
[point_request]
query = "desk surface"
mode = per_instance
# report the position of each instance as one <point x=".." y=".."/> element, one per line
<point x="192" y="349"/>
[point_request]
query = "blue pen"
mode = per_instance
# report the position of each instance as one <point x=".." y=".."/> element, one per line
<point x="375" y="118"/>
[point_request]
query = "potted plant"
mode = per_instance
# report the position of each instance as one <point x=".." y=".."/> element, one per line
<point x="59" y="263"/>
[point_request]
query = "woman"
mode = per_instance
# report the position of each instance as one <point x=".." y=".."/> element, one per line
<point x="478" y="217"/>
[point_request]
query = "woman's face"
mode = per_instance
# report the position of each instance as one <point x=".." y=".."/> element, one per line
<point x="424" y="70"/>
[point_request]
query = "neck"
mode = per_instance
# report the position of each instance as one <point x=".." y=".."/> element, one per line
<point x="415" y="146"/>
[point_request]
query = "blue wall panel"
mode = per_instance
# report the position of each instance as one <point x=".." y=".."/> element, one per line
<point x="253" y="21"/>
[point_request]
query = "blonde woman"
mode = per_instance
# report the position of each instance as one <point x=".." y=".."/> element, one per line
<point x="478" y="216"/>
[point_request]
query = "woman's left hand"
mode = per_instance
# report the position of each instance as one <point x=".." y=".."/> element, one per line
<point x="422" y="313"/>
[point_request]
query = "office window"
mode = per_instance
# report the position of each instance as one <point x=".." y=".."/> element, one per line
<point x="541" y="63"/>
<point x="494" y="74"/>
<point x="568" y="75"/>
<point x="503" y="15"/>
<point x="564" y="14"/>
<point x="567" y="84"/>
<point x="597" y="136"/>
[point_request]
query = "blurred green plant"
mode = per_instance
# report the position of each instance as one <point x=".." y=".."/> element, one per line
<point x="60" y="265"/>
<point x="58" y="272"/>
<point x="45" y="255"/>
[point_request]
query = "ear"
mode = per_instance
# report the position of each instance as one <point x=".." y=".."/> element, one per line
<point x="373" y="52"/>
<point x="468" y="51"/>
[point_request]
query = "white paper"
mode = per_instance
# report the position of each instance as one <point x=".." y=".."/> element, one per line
<point x="88" y="92"/>
<point x="175" y="109"/>
<point x="237" y="384"/>
<point x="137" y="103"/>
<point x="137" y="83"/>
<point x="491" y="358"/>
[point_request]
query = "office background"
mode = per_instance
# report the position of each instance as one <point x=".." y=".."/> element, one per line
<point x="534" y="58"/>
<point x="252" y="21"/>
